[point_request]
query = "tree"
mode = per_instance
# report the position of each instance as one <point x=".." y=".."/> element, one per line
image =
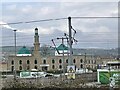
<point x="45" y="50"/>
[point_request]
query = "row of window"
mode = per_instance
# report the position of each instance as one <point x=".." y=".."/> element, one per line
<point x="60" y="66"/>
<point x="53" y="61"/>
<point x="53" y="66"/>
<point x="21" y="68"/>
<point x="20" y="62"/>
<point x="44" y="61"/>
<point x="74" y="61"/>
<point x="35" y="67"/>
<point x="91" y="61"/>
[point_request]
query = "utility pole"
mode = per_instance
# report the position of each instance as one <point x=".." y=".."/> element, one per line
<point x="85" y="70"/>
<point x="63" y="56"/>
<point x="85" y="63"/>
<point x="70" y="67"/>
<point x="70" y="41"/>
<point x="15" y="53"/>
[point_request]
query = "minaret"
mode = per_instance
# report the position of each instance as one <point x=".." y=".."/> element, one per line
<point x="36" y="43"/>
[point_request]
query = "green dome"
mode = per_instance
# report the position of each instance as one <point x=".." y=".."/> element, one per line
<point x="62" y="47"/>
<point x="23" y="50"/>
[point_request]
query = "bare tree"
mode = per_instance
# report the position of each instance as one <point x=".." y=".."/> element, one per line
<point x="45" y="50"/>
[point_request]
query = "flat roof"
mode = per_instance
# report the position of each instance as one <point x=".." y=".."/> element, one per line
<point x="113" y="63"/>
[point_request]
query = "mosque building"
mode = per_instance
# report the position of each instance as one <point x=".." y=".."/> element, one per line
<point x="27" y="60"/>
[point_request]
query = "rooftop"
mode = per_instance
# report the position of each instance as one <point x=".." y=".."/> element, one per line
<point x="24" y="50"/>
<point x="62" y="47"/>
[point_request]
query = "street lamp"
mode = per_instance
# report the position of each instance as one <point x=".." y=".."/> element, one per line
<point x="15" y="53"/>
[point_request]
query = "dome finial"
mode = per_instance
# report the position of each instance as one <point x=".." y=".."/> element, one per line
<point x="36" y="28"/>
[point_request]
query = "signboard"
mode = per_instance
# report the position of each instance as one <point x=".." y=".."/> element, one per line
<point x="24" y="74"/>
<point x="71" y="72"/>
<point x="112" y="82"/>
<point x="106" y="76"/>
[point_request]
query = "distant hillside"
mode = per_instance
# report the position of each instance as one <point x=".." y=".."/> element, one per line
<point x="11" y="49"/>
<point x="76" y="51"/>
<point x="97" y="52"/>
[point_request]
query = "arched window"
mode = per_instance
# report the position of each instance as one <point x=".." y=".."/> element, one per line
<point x="20" y="67"/>
<point x="81" y="66"/>
<point x="53" y="61"/>
<point x="12" y="62"/>
<point x="74" y="61"/>
<point x="89" y="66"/>
<point x="28" y="62"/>
<point x="44" y="61"/>
<point x="35" y="67"/>
<point x="60" y="61"/>
<point x="60" y="66"/>
<point x="12" y="68"/>
<point x="81" y="60"/>
<point x="53" y="66"/>
<point x="94" y="61"/>
<point x="66" y="60"/>
<point x="35" y="61"/>
<point x="89" y="61"/>
<point x="20" y="62"/>
<point x="28" y="67"/>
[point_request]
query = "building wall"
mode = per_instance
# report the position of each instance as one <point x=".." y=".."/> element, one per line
<point x="53" y="62"/>
<point x="26" y="62"/>
<point x="3" y="66"/>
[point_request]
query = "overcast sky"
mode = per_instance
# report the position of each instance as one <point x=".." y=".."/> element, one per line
<point x="91" y="33"/>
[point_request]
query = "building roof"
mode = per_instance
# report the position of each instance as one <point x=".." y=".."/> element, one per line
<point x="24" y="50"/>
<point x="62" y="47"/>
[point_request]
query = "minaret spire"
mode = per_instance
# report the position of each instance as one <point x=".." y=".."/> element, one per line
<point x="36" y="42"/>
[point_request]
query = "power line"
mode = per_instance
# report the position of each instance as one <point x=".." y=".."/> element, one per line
<point x="92" y="17"/>
<point x="52" y="35"/>
<point x="44" y="20"/>
<point x="34" y="21"/>
<point x="101" y="33"/>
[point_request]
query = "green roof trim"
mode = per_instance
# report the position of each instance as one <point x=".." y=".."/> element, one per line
<point x="62" y="47"/>
<point x="23" y="50"/>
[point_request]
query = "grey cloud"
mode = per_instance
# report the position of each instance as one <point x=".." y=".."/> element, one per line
<point x="64" y="10"/>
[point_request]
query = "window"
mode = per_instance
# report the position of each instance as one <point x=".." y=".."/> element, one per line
<point x="75" y="67"/>
<point x="60" y="61"/>
<point x="35" y="61"/>
<point x="28" y="62"/>
<point x="12" y="68"/>
<point x="89" y="61"/>
<point x="20" y="62"/>
<point x="44" y="61"/>
<point x="60" y="66"/>
<point x="53" y="66"/>
<point x="81" y="66"/>
<point x="89" y="66"/>
<point x="28" y="67"/>
<point x="35" y="67"/>
<point x="20" y="68"/>
<point x="12" y="62"/>
<point x="53" y="61"/>
<point x="81" y="60"/>
<point x="74" y="61"/>
<point x="94" y="61"/>
<point x="66" y="60"/>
